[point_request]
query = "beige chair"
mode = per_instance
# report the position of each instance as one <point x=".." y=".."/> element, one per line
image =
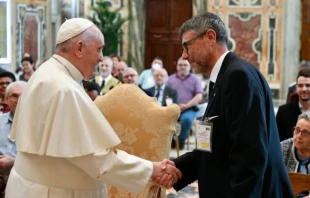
<point x="300" y="182"/>
<point x="144" y="127"/>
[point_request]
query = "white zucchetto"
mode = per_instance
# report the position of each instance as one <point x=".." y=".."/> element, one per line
<point x="71" y="28"/>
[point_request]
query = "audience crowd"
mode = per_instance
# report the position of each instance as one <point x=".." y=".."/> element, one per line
<point x="184" y="88"/>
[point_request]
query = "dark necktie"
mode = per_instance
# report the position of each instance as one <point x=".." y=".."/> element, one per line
<point x="158" y="92"/>
<point x="211" y="85"/>
<point x="102" y="84"/>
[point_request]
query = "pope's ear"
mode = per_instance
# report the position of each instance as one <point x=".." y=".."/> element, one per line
<point x="78" y="48"/>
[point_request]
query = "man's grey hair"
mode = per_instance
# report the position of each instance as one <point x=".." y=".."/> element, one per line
<point x="202" y="23"/>
<point x="15" y="84"/>
<point x="85" y="37"/>
<point x="109" y="60"/>
<point x="130" y="69"/>
<point x="305" y="115"/>
<point x="162" y="69"/>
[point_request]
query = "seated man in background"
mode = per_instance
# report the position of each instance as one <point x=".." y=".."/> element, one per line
<point x="6" y="78"/>
<point x="296" y="150"/>
<point x="292" y="88"/>
<point x="146" y="79"/>
<point x="7" y="147"/>
<point x="165" y="95"/>
<point x="105" y="79"/>
<point x="131" y="76"/>
<point x="92" y="89"/>
<point x="189" y="90"/>
<point x="121" y="66"/>
<point x="288" y="113"/>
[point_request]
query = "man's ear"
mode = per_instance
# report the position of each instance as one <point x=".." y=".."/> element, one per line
<point x="78" y="48"/>
<point x="211" y="35"/>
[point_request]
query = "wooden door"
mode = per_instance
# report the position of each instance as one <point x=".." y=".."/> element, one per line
<point x="305" y="32"/>
<point x="163" y="21"/>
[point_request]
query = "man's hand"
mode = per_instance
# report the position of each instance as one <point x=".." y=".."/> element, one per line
<point x="165" y="173"/>
<point x="183" y="107"/>
<point x="6" y="162"/>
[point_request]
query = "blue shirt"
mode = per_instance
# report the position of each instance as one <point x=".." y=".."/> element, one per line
<point x="161" y="94"/>
<point x="7" y="147"/>
<point x="146" y="79"/>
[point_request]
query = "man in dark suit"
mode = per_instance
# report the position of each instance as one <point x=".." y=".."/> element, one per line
<point x="287" y="114"/>
<point x="161" y="91"/>
<point x="243" y="157"/>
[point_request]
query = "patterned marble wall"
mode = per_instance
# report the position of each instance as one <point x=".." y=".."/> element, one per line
<point x="255" y="33"/>
<point x="30" y="33"/>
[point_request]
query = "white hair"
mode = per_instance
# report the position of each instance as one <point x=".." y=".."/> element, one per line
<point x="15" y="84"/>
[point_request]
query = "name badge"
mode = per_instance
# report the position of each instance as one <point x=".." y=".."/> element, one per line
<point x="168" y="101"/>
<point x="204" y="130"/>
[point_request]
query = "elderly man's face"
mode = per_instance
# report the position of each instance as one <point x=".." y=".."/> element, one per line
<point x="301" y="135"/>
<point x="160" y="77"/>
<point x="92" y="53"/>
<point x="105" y="68"/>
<point x="121" y="67"/>
<point x="131" y="77"/>
<point x="4" y="82"/>
<point x="12" y="97"/>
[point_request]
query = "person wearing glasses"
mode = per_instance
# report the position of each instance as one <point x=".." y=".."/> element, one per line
<point x="288" y="113"/>
<point x="131" y="76"/>
<point x="6" y="78"/>
<point x="296" y="150"/>
<point x="238" y="152"/>
<point x="7" y="146"/>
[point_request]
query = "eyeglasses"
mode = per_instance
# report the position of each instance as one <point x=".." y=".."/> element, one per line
<point x="304" y="133"/>
<point x="130" y="75"/>
<point x="4" y="83"/>
<point x="186" y="43"/>
<point x="13" y="96"/>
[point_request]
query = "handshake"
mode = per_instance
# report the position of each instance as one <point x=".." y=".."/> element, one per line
<point x="165" y="173"/>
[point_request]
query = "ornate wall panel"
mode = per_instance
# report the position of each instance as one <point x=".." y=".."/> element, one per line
<point x="30" y="30"/>
<point x="255" y="33"/>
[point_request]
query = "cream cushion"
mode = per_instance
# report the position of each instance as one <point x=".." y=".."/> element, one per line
<point x="144" y="127"/>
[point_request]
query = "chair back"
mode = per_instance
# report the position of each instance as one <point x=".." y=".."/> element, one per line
<point x="300" y="182"/>
<point x="144" y="127"/>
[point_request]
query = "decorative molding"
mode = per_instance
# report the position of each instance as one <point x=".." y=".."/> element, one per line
<point x="39" y="14"/>
<point x="245" y="36"/>
<point x="216" y="4"/>
<point x="273" y="3"/>
<point x="244" y="3"/>
<point x="8" y="58"/>
<point x="271" y="50"/>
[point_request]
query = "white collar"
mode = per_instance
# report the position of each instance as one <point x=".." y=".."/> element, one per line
<point x="162" y="87"/>
<point x="216" y="69"/>
<point x="73" y="71"/>
<point x="106" y="79"/>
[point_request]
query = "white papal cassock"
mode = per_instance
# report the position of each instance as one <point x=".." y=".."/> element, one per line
<point x="64" y="143"/>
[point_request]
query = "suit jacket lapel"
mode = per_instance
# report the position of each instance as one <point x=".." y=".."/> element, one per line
<point x="163" y="102"/>
<point x="218" y="82"/>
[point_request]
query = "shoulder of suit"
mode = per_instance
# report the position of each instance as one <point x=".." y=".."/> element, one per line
<point x="287" y="106"/>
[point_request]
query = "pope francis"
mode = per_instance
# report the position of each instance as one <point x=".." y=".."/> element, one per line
<point x="65" y="145"/>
